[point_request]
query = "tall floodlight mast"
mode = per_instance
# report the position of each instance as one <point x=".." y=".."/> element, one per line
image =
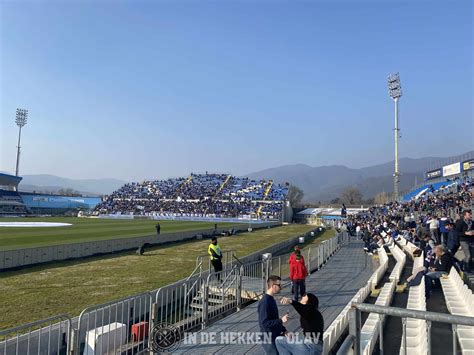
<point x="395" y="92"/>
<point x="20" y="120"/>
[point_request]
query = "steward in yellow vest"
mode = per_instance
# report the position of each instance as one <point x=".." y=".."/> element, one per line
<point x="215" y="254"/>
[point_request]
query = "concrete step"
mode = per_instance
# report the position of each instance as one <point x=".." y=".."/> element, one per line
<point x="212" y="300"/>
<point x="469" y="280"/>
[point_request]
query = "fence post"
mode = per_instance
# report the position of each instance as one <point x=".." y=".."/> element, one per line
<point x="309" y="259"/>
<point x="205" y="304"/>
<point x="354" y="328"/>
<point x="239" y="289"/>
<point x="266" y="269"/>
<point x="279" y="266"/>
<point x="153" y="318"/>
<point x="72" y="341"/>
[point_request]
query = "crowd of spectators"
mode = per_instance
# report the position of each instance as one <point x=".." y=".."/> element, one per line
<point x="439" y="224"/>
<point x="203" y="195"/>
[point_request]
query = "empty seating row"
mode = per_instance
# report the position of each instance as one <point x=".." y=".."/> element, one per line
<point x="460" y="301"/>
<point x="378" y="274"/>
<point x="340" y="324"/>
<point x="409" y="247"/>
<point x="416" y="336"/>
<point x="400" y="257"/>
<point x="370" y="330"/>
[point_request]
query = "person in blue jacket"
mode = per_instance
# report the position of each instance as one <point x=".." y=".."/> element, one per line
<point x="268" y="318"/>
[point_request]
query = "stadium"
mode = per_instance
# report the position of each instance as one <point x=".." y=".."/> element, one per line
<point x="204" y="313"/>
<point x="196" y="178"/>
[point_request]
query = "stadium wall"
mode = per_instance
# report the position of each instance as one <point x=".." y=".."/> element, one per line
<point x="11" y="259"/>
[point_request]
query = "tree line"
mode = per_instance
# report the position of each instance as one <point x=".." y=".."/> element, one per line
<point x="350" y="196"/>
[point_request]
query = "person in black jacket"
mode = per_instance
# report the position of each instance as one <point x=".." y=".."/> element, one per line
<point x="465" y="233"/>
<point x="268" y="318"/>
<point x="312" y="323"/>
<point x="441" y="266"/>
<point x="453" y="239"/>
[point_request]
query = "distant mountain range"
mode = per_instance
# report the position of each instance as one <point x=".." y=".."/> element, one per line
<point x="325" y="183"/>
<point x="52" y="184"/>
<point x="322" y="183"/>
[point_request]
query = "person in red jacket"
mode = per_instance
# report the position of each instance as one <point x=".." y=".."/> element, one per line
<point x="298" y="273"/>
<point x="293" y="255"/>
<point x="292" y="260"/>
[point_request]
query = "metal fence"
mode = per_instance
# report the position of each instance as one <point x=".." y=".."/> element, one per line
<point x="118" y="326"/>
<point x="203" y="262"/>
<point x="315" y="256"/>
<point x="47" y="336"/>
<point x="354" y="338"/>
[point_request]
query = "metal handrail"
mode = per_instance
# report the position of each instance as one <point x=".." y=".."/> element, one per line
<point x="224" y="289"/>
<point x="413" y="313"/>
<point x="64" y="317"/>
<point x="200" y="258"/>
<point x="354" y="337"/>
<point x="199" y="266"/>
<point x="237" y="259"/>
<point x="191" y="288"/>
<point x="230" y="273"/>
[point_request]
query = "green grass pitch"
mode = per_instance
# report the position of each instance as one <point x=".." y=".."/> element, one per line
<point x="88" y="230"/>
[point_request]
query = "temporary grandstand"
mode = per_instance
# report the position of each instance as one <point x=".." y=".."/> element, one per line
<point x="198" y="195"/>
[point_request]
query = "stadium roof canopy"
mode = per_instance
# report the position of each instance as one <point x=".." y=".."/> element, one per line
<point x="9" y="180"/>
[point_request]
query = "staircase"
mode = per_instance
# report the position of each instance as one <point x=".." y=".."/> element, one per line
<point x="187" y="181"/>
<point x="222" y="186"/>
<point x="265" y="195"/>
<point x="217" y="298"/>
<point x="268" y="189"/>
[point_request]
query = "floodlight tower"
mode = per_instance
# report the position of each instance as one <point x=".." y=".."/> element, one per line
<point x="20" y="120"/>
<point x="395" y="92"/>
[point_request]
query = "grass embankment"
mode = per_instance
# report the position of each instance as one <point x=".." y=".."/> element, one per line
<point x="70" y="286"/>
<point x="87" y="230"/>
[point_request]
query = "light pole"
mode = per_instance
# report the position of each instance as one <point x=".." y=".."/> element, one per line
<point x="21" y="118"/>
<point x="395" y="92"/>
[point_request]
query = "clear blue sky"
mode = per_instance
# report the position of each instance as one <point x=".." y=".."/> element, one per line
<point x="141" y="89"/>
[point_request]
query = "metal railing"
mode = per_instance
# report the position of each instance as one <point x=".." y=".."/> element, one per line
<point x="117" y="326"/>
<point x="203" y="262"/>
<point x="220" y="294"/>
<point x="178" y="304"/>
<point x="315" y="256"/>
<point x="354" y="338"/>
<point x="253" y="281"/>
<point x="47" y="336"/>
